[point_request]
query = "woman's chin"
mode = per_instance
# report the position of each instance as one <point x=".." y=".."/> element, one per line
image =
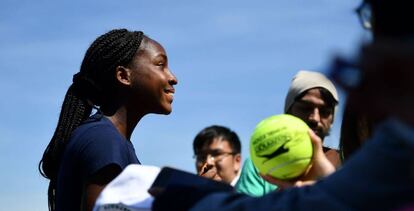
<point x="165" y="110"/>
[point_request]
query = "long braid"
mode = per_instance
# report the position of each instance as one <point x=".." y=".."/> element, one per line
<point x="74" y="111"/>
<point x="92" y="85"/>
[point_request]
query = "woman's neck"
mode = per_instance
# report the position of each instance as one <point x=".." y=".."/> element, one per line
<point x="125" y="121"/>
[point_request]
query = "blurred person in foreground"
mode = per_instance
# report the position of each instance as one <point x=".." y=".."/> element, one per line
<point x="380" y="175"/>
<point x="380" y="18"/>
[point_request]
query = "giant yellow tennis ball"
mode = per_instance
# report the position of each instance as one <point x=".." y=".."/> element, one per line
<point x="280" y="146"/>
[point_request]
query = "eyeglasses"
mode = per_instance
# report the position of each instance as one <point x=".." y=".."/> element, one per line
<point x="215" y="155"/>
<point x="364" y="12"/>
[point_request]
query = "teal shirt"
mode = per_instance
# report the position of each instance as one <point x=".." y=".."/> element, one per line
<point x="251" y="182"/>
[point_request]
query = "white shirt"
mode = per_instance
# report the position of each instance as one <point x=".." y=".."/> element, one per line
<point x="129" y="190"/>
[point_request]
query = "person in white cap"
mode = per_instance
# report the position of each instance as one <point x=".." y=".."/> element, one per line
<point x="313" y="98"/>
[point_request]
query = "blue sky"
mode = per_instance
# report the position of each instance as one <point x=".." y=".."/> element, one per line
<point x="233" y="59"/>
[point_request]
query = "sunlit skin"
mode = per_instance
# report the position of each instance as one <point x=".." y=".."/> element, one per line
<point x="146" y="86"/>
<point x="224" y="167"/>
<point x="152" y="81"/>
<point x="312" y="109"/>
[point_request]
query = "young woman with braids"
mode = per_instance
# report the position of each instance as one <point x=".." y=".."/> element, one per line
<point x="124" y="75"/>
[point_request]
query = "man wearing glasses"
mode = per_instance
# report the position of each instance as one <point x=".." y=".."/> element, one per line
<point x="217" y="153"/>
<point x="380" y="176"/>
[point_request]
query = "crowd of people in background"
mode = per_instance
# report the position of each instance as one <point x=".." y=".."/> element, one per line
<point x="376" y="144"/>
<point x="125" y="75"/>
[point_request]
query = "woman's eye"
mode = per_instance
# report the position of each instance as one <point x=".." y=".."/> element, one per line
<point x="161" y="64"/>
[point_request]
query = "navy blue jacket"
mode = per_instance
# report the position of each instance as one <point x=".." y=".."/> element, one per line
<point x="380" y="176"/>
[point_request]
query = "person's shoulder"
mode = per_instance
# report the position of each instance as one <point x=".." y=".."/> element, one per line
<point x="249" y="166"/>
<point x="251" y="182"/>
<point x="97" y="124"/>
<point x="96" y="120"/>
<point x="96" y="129"/>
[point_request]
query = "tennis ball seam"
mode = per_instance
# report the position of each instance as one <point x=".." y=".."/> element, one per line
<point x="277" y="140"/>
<point x="285" y="164"/>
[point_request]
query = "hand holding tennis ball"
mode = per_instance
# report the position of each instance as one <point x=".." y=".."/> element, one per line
<point x="320" y="167"/>
<point x="281" y="147"/>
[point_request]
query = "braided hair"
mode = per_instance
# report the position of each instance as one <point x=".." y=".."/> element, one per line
<point x="93" y="85"/>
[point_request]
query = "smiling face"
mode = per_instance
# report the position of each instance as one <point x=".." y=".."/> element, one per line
<point x="152" y="82"/>
<point x="220" y="156"/>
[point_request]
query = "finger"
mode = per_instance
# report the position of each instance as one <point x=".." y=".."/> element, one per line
<point x="210" y="173"/>
<point x="280" y="183"/>
<point x="316" y="143"/>
<point x="304" y="183"/>
<point x="320" y="166"/>
<point x="200" y="172"/>
<point x="206" y="167"/>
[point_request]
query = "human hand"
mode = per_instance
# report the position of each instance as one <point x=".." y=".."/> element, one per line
<point x="209" y="171"/>
<point x="320" y="167"/>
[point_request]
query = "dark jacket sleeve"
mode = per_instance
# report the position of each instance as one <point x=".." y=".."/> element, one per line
<point x="378" y="177"/>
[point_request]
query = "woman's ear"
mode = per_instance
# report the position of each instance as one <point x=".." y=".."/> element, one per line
<point x="123" y="75"/>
